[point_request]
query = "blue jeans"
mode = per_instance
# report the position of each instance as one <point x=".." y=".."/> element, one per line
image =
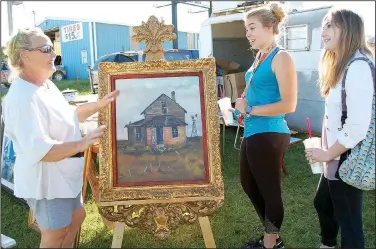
<point x="339" y="205"/>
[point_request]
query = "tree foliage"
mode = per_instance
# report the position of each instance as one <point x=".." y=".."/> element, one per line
<point x="2" y="54"/>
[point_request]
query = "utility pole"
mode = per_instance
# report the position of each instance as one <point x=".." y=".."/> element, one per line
<point x="174" y="12"/>
<point x="33" y="12"/>
<point x="210" y="10"/>
<point x="10" y="14"/>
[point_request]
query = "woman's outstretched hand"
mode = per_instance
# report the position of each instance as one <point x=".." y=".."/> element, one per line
<point x="92" y="137"/>
<point x="108" y="98"/>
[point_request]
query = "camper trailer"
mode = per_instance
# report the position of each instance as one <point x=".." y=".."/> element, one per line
<point x="223" y="37"/>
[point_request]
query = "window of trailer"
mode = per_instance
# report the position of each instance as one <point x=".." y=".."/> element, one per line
<point x="296" y="38"/>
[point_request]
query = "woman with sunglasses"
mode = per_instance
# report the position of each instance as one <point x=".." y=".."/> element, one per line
<point x="48" y="171"/>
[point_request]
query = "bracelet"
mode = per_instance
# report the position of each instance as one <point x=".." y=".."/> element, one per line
<point x="237" y="112"/>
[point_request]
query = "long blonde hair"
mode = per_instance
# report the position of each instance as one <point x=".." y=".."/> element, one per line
<point x="352" y="38"/>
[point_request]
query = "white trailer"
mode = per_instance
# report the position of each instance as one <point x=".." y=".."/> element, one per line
<point x="223" y="37"/>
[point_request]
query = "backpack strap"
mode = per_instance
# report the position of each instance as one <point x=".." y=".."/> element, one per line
<point x="343" y="90"/>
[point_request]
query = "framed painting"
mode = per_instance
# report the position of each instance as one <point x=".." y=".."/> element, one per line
<point x="8" y="159"/>
<point x="162" y="137"/>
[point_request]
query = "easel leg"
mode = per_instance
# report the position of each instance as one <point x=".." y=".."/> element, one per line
<point x="223" y="138"/>
<point x="207" y="232"/>
<point x="87" y="164"/>
<point x="118" y="235"/>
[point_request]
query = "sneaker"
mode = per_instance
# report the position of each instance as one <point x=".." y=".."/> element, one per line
<point x="260" y="244"/>
<point x="324" y="246"/>
<point x="280" y="244"/>
<point x="254" y="244"/>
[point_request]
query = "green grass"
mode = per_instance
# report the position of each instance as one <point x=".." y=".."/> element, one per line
<point x="3" y="93"/>
<point x="82" y="86"/>
<point x="233" y="224"/>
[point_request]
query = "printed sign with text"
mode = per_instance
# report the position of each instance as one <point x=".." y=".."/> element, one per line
<point x="72" y="32"/>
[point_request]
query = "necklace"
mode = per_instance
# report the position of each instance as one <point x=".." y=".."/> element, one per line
<point x="259" y="59"/>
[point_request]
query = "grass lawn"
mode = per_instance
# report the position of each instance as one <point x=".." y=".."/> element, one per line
<point x="233" y="224"/>
<point x="82" y="86"/>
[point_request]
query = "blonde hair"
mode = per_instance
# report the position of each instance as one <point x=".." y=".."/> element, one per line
<point x="270" y="16"/>
<point x="19" y="42"/>
<point x="352" y="37"/>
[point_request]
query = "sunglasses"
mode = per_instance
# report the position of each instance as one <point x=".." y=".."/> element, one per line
<point x="46" y="49"/>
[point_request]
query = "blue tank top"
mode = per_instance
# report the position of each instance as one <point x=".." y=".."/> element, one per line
<point x="262" y="91"/>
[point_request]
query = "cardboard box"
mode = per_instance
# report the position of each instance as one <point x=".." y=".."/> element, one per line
<point x="234" y="85"/>
<point x="227" y="66"/>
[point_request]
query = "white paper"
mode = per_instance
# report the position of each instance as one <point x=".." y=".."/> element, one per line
<point x="225" y="105"/>
<point x="7" y="242"/>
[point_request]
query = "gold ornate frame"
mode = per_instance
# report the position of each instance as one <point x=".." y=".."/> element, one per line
<point x="160" y="208"/>
<point x="109" y="195"/>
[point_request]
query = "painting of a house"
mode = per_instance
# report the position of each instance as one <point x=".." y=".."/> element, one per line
<point x="163" y="124"/>
<point x="8" y="158"/>
<point x="159" y="131"/>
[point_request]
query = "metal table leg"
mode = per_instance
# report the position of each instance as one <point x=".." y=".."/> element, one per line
<point x="236" y="138"/>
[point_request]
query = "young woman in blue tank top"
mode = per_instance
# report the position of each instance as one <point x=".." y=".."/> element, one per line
<point x="270" y="93"/>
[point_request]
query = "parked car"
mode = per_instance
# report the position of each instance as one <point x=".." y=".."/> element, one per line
<point x="119" y="57"/>
<point x="137" y="56"/>
<point x="170" y="55"/>
<point x="180" y="54"/>
<point x="5" y="72"/>
<point x="60" y="72"/>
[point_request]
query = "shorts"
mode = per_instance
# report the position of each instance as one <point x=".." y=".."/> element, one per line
<point x="54" y="213"/>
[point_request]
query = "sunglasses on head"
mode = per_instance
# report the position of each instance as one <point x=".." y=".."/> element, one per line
<point x="46" y="49"/>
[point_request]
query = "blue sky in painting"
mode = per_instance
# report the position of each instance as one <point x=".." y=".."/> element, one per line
<point x="137" y="94"/>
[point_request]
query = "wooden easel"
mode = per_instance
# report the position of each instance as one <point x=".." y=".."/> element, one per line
<point x="87" y="163"/>
<point x="206" y="230"/>
<point x="119" y="227"/>
<point x="151" y="54"/>
<point x="154" y="51"/>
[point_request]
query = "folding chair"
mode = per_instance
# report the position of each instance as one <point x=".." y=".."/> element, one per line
<point x="235" y="124"/>
<point x="236" y="137"/>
